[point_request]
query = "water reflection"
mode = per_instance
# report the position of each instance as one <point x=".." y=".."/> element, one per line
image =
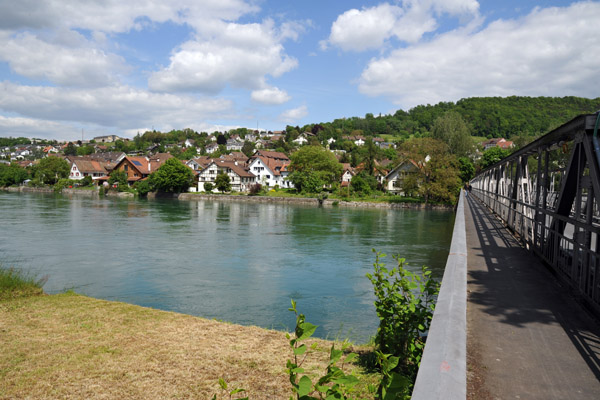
<point x="240" y="262"/>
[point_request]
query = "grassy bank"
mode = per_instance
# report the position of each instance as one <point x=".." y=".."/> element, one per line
<point x="72" y="346"/>
<point x="16" y="283"/>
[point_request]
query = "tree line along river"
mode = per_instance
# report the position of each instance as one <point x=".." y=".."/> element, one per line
<point x="234" y="261"/>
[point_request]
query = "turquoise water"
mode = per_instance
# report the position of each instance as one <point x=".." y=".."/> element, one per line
<point x="238" y="262"/>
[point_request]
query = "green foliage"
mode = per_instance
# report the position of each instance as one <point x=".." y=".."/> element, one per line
<point x="70" y="150"/>
<point x="64" y="183"/>
<point x="172" y="177"/>
<point x="335" y="384"/>
<point x="208" y="187"/>
<point x="229" y="393"/>
<point x="85" y="150"/>
<point x="17" y="283"/>
<point x="360" y="185"/>
<point x="119" y="177"/>
<point x="313" y="167"/>
<point x="467" y="169"/>
<point x="86" y="181"/>
<point x="51" y="169"/>
<point x="12" y="175"/>
<point x="492" y="156"/>
<point x="143" y="187"/>
<point x="223" y="182"/>
<point x="405" y="304"/>
<point x="438" y="177"/>
<point x="451" y="129"/>
<point x="248" y="148"/>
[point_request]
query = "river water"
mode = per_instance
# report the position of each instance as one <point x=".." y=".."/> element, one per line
<point x="234" y="261"/>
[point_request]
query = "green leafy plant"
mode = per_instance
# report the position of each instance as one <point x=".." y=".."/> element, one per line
<point x="405" y="305"/>
<point x="335" y="384"/>
<point x="229" y="393"/>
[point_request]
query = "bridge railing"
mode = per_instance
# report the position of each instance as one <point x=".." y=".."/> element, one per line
<point x="443" y="370"/>
<point x="548" y="193"/>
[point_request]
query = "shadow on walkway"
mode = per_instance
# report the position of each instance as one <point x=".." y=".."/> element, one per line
<point x="534" y="339"/>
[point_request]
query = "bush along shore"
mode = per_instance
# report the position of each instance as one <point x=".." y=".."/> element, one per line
<point x="68" y="345"/>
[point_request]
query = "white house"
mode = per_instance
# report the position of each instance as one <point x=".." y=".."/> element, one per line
<point x="240" y="178"/>
<point x="234" y="145"/>
<point x="270" y="168"/>
<point x="396" y="178"/>
<point x="84" y="166"/>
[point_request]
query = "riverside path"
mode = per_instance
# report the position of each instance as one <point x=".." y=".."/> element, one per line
<point x="527" y="335"/>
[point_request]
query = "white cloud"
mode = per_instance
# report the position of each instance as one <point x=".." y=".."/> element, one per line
<point x="68" y="59"/>
<point x="551" y="51"/>
<point x="28" y="127"/>
<point x="370" y="28"/>
<point x="294" y="114"/>
<point x="270" y="95"/>
<point x="115" y="15"/>
<point x="115" y="106"/>
<point x="226" y="54"/>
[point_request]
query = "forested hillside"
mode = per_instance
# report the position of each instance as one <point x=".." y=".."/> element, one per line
<point x="486" y="116"/>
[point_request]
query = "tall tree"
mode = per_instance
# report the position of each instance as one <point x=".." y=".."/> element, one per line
<point x="51" y="169"/>
<point x="451" y="129"/>
<point x="439" y="170"/>
<point x="313" y="167"/>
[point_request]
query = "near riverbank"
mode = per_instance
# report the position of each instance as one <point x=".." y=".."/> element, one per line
<point x="76" y="347"/>
<point x="243" y="198"/>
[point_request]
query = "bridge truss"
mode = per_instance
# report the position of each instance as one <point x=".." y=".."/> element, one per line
<point x="548" y="194"/>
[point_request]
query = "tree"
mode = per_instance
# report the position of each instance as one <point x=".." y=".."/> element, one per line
<point x="12" y="175"/>
<point x="119" y="177"/>
<point x="248" y="148"/>
<point x="467" y="169"/>
<point x="51" y="169"/>
<point x="313" y="167"/>
<point x="451" y="129"/>
<point x="221" y="139"/>
<point x="223" y="182"/>
<point x="85" y="150"/>
<point x="438" y="168"/>
<point x="172" y="177"/>
<point x="492" y="156"/>
<point x="70" y="150"/>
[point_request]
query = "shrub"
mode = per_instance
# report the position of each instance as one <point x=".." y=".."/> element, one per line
<point x="143" y="187"/>
<point x="255" y="189"/>
<point x="87" y="181"/>
<point x="405" y="304"/>
<point x="208" y="187"/>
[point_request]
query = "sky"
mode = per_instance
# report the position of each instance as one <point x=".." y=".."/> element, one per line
<point x="73" y="69"/>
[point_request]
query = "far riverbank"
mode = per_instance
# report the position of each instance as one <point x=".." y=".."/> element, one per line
<point x="242" y="198"/>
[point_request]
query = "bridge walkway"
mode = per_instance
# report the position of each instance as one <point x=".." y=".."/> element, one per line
<point x="527" y="336"/>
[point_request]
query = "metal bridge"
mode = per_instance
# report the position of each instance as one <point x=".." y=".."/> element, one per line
<point x="534" y="336"/>
<point x="548" y="193"/>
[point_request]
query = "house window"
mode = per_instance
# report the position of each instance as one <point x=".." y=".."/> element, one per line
<point x="74" y="168"/>
<point x="77" y="174"/>
<point x="126" y="167"/>
<point x="268" y="176"/>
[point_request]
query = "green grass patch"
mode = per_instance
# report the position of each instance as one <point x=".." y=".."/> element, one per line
<point x="17" y="283"/>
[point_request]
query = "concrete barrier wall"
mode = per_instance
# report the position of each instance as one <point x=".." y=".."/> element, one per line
<point x="443" y="370"/>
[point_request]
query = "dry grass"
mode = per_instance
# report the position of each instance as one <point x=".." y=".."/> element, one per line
<point x="74" y="347"/>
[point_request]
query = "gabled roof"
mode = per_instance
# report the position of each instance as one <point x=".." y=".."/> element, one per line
<point x="271" y="154"/>
<point x="90" y="166"/>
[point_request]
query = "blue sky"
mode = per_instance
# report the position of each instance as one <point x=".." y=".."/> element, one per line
<point x="115" y="67"/>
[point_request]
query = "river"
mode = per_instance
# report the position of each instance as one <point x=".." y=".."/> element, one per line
<point x="240" y="262"/>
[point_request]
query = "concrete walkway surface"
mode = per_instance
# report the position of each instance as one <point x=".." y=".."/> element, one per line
<point x="528" y="336"/>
